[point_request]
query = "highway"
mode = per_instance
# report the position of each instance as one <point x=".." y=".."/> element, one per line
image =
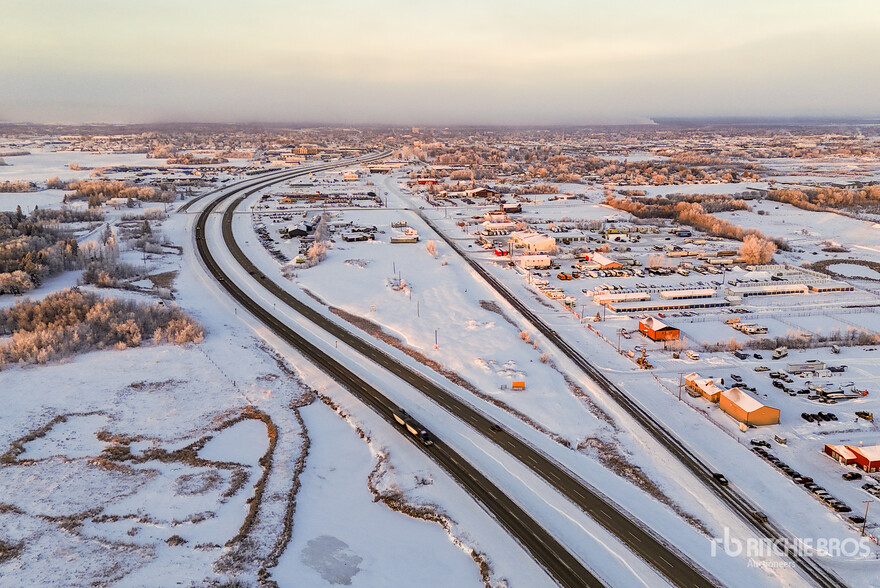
<point x="564" y="567"/>
<point x="650" y="547"/>
<point x="734" y="499"/>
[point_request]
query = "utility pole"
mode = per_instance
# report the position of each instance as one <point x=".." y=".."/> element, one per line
<point x="436" y="340"/>
<point x="680" y="376"/>
<point x="865" y="522"/>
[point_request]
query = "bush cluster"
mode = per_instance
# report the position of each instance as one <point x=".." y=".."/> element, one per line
<point x="73" y="321"/>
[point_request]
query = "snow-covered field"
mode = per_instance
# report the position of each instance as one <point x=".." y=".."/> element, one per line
<point x="207" y="462"/>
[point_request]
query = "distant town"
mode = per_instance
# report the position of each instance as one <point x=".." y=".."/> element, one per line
<point x="244" y="355"/>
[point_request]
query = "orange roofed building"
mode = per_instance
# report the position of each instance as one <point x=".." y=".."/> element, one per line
<point x="746" y="409"/>
<point x="656" y="330"/>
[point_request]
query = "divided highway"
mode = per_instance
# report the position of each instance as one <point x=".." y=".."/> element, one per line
<point x="734" y="499"/>
<point x="664" y="558"/>
<point x="564" y="567"/>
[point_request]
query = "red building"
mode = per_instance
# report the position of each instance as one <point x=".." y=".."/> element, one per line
<point x="657" y="330"/>
<point x="867" y="458"/>
<point x="841" y="453"/>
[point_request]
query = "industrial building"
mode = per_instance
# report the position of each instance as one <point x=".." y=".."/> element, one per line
<point x="687" y="294"/>
<point x="704" y="387"/>
<point x="614" y="296"/>
<point x="604" y="262"/>
<point x="534" y="261"/>
<point x="831" y="287"/>
<point x="841" y="453"/>
<point x="664" y="305"/>
<point x="866" y="458"/>
<point x="656" y="330"/>
<point x="533" y="242"/>
<point x="807" y="366"/>
<point x="766" y="289"/>
<point x="746" y="409"/>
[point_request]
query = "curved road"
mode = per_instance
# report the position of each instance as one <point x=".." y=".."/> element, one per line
<point x="565" y="568"/>
<point x="664" y="558"/>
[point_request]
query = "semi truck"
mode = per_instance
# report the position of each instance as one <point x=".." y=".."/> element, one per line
<point x="405" y="420"/>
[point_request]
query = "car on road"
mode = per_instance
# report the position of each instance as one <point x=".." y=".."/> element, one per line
<point x="719" y="477"/>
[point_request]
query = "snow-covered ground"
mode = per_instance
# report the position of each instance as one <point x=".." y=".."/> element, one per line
<point x="196" y="420"/>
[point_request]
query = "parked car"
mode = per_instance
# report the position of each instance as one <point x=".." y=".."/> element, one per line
<point x="849" y="476"/>
<point x="759" y="443"/>
<point x="805" y="415"/>
<point x="736" y="378"/>
<point x="762" y="368"/>
<point x="758" y="356"/>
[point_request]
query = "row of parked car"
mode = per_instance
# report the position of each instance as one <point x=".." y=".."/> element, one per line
<point x="807" y="482"/>
<point x="819" y="416"/>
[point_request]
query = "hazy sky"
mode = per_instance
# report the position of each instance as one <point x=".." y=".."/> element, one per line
<point x="438" y="62"/>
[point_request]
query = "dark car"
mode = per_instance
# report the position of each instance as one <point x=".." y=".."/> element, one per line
<point x="805" y="415"/>
<point x="720" y="478"/>
<point x="758" y="356"/>
<point x="759" y="443"/>
<point x="803" y="480"/>
<point x="842" y="508"/>
<point x="856" y="519"/>
<point x="849" y="476"/>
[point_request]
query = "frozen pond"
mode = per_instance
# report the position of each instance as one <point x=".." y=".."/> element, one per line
<point x="852" y="270"/>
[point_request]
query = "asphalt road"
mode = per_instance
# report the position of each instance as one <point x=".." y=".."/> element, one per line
<point x="733" y="498"/>
<point x="564" y="567"/>
<point x="646" y="544"/>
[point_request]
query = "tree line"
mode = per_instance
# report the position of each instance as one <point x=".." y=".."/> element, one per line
<point x="34" y="247"/>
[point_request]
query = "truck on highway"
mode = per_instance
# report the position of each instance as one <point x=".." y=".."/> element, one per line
<point x="405" y="420"/>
